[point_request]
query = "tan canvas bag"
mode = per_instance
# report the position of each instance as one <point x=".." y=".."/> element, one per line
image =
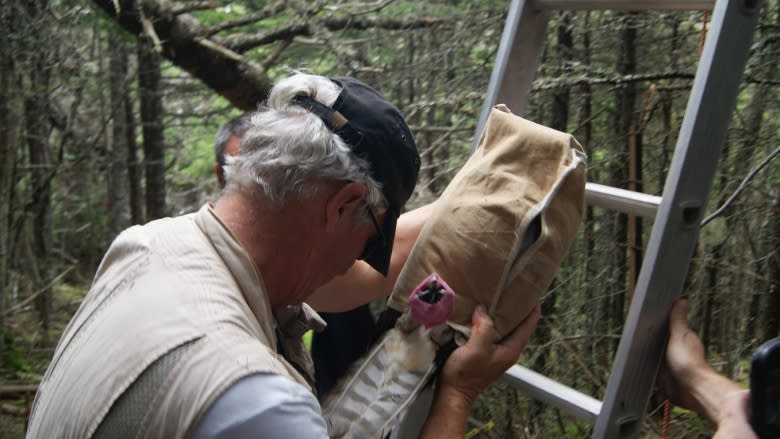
<point x="502" y="227"/>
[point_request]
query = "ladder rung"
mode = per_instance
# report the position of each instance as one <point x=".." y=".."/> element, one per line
<point x="626" y="5"/>
<point x="622" y="200"/>
<point x="570" y="401"/>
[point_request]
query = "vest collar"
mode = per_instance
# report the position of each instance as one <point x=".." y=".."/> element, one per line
<point x="282" y="327"/>
<point x="237" y="260"/>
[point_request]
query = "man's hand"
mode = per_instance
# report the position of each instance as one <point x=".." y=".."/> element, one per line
<point x="484" y="358"/>
<point x="470" y="369"/>
<point x="688" y="381"/>
<point x="685" y="366"/>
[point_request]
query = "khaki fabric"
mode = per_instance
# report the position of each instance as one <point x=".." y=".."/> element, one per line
<point x="502" y="227"/>
<point x="174" y="282"/>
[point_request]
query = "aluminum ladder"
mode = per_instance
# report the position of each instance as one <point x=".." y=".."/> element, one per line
<point x="677" y="214"/>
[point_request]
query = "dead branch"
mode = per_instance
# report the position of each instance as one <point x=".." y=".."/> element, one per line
<point x="354" y="8"/>
<point x="33" y="296"/>
<point x="243" y="43"/>
<point x="17" y="390"/>
<point x="11" y="409"/>
<point x="266" y="12"/>
<point x="741" y="187"/>
<point x="148" y="28"/>
<point x="271" y="59"/>
<point x="610" y="79"/>
<point x="242" y="83"/>
<point x="762" y="81"/>
<point x="201" y="5"/>
<point x="355" y="23"/>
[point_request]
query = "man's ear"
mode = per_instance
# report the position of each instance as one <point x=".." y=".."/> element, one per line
<point x="220" y="176"/>
<point x="343" y="204"/>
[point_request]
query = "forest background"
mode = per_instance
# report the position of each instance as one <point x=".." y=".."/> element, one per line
<point x="107" y="120"/>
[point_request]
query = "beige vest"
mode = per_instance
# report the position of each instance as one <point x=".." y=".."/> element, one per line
<point x="177" y="285"/>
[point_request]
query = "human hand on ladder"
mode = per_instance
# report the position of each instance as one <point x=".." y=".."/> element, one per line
<point x="688" y="381"/>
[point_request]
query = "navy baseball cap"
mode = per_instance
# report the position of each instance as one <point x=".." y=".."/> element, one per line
<point x="376" y="131"/>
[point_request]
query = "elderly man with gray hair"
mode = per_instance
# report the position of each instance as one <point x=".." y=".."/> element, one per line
<point x="192" y="326"/>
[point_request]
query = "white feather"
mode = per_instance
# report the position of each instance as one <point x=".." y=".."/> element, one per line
<point x="375" y="395"/>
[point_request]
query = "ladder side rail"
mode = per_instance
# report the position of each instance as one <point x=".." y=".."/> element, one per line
<point x="570" y="401"/>
<point x="517" y="60"/>
<point x="675" y="231"/>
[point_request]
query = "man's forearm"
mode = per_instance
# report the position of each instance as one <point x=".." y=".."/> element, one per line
<point x="448" y="415"/>
<point x="710" y="390"/>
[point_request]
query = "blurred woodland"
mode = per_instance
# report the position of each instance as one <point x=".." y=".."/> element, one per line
<point x="108" y="110"/>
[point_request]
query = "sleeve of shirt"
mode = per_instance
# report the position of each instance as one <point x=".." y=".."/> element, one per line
<point x="265" y="406"/>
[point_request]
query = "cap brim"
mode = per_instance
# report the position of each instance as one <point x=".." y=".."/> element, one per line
<point x="379" y="259"/>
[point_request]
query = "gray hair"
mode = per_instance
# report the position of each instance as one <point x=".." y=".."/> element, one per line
<point x="235" y="127"/>
<point x="288" y="150"/>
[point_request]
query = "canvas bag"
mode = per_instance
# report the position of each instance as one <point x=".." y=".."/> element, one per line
<point x="500" y="231"/>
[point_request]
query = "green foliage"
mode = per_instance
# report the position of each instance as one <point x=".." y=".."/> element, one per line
<point x="13" y="359"/>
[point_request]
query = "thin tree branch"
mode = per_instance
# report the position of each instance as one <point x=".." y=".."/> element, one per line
<point x="35" y="295"/>
<point x="761" y="81"/>
<point x="17" y="389"/>
<point x="741" y="187"/>
<point x="611" y="79"/>
<point x="227" y="53"/>
<point x="353" y="23"/>
<point x="13" y="410"/>
<point x="202" y="5"/>
<point x="271" y="59"/>
<point x="148" y="28"/>
<point x="243" y="43"/>
<point x="378" y="6"/>
<point x="268" y="11"/>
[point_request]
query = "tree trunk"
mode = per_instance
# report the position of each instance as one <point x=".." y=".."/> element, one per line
<point x="152" y="123"/>
<point x="564" y="49"/>
<point x="9" y="121"/>
<point x="772" y="308"/>
<point x="624" y="119"/>
<point x="712" y="306"/>
<point x="592" y="291"/>
<point x="771" y="317"/>
<point x="116" y="143"/>
<point x="37" y="139"/>
<point x="752" y="144"/>
<point x="133" y="164"/>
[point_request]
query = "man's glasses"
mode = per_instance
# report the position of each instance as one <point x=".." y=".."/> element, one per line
<point x="375" y="242"/>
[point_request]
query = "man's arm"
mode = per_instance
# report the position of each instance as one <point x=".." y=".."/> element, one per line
<point x="688" y="381"/>
<point x="263" y="405"/>
<point x="470" y="369"/>
<point x="362" y="284"/>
